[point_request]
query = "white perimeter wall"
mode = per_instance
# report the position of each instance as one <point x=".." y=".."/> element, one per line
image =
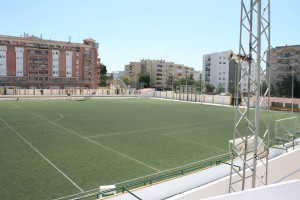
<point x="215" y="99"/>
<point x="73" y="92"/>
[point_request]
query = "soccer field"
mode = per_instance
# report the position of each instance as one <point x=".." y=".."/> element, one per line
<point x="52" y="149"/>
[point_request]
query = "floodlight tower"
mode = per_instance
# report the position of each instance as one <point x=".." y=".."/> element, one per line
<point x="250" y="142"/>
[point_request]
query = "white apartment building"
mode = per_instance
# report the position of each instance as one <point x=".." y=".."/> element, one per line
<point x="159" y="71"/>
<point x="216" y="69"/>
<point x="253" y="75"/>
<point x="219" y="71"/>
<point x="197" y="75"/>
<point x="115" y="75"/>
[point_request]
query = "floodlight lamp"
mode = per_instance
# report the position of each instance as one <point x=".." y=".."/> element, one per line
<point x="237" y="58"/>
<point x="232" y="56"/>
<point x="229" y="54"/>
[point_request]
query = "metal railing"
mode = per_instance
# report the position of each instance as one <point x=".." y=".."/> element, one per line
<point x="155" y="179"/>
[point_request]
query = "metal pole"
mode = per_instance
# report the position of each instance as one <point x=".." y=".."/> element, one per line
<point x="293" y="88"/>
<point x="257" y="93"/>
<point x="187" y="96"/>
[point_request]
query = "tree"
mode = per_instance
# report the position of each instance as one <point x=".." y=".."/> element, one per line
<point x="263" y="87"/>
<point x="103" y="79"/>
<point x="220" y="89"/>
<point x="126" y="79"/>
<point x="284" y="87"/>
<point x="272" y="90"/>
<point x="296" y="88"/>
<point x="144" y="78"/>
<point x="103" y="69"/>
<point x="199" y="85"/>
<point x="210" y="88"/>
<point x="172" y="82"/>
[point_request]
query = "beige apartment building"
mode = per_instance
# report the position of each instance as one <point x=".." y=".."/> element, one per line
<point x="159" y="71"/>
<point x="284" y="61"/>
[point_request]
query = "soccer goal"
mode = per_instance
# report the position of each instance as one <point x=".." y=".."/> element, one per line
<point x="286" y="129"/>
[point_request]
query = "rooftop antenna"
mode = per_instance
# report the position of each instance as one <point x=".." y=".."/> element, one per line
<point x="250" y="144"/>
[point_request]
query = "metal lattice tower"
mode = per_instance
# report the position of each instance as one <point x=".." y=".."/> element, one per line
<point x="250" y="143"/>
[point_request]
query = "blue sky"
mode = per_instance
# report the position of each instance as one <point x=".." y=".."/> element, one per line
<point x="181" y="31"/>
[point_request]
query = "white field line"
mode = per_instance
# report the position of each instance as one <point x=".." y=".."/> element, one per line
<point x="141" y="130"/>
<point x="98" y="144"/>
<point x="192" y="142"/>
<point x="168" y="135"/>
<point x="153" y="129"/>
<point x="60" y="117"/>
<point x="37" y="124"/>
<point x="91" y="190"/>
<point x="44" y="157"/>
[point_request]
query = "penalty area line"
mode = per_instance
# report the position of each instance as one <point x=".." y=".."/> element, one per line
<point x="44" y="157"/>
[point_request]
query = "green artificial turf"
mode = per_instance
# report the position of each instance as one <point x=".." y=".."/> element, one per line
<point x="50" y="149"/>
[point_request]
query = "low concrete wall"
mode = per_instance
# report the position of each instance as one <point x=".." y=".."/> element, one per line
<point x="71" y="91"/>
<point x="214" y="99"/>
<point x="147" y="92"/>
<point x="47" y="94"/>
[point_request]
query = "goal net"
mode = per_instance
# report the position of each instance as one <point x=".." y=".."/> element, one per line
<point x="286" y="128"/>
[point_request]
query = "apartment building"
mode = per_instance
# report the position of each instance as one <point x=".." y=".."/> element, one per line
<point x="33" y="62"/>
<point x="253" y="75"/>
<point x="115" y="75"/>
<point x="284" y="61"/>
<point x="197" y="75"/>
<point x="216" y="70"/>
<point x="159" y="71"/>
<point x="219" y="71"/>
